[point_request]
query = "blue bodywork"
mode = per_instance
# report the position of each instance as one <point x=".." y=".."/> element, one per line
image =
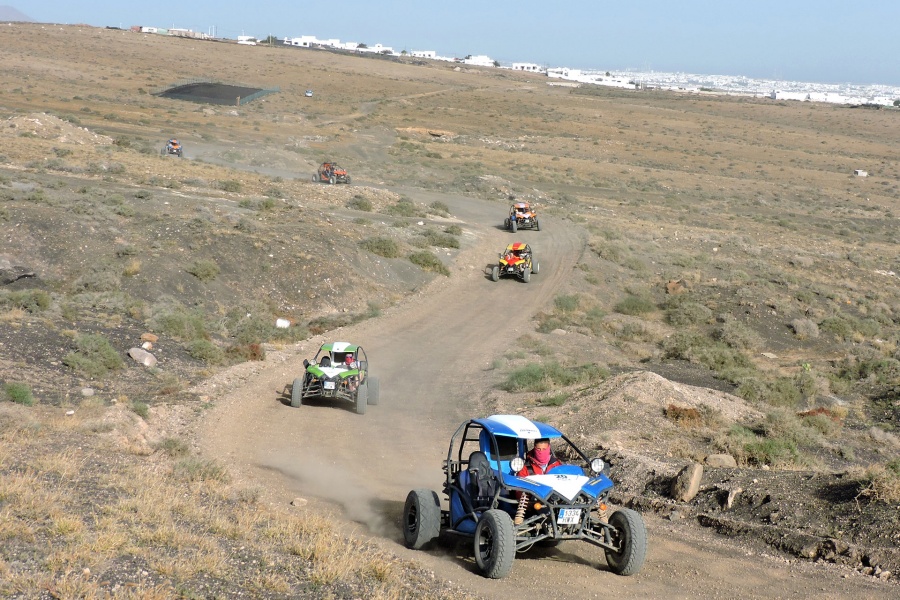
<point x="502" y="438"/>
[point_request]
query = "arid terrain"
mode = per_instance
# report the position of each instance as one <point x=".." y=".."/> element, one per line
<point x="717" y="288"/>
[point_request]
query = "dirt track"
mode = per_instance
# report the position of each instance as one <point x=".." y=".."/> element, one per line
<point x="433" y="355"/>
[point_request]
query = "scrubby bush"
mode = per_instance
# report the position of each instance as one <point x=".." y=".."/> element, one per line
<point x="174" y="447"/>
<point x="94" y="356"/>
<point x="250" y="324"/>
<point x="805" y="329"/>
<point x="549" y="322"/>
<point x="33" y="301"/>
<point x="429" y="262"/>
<point x="360" y="203"/>
<point x="199" y="469"/>
<point x="382" y="246"/>
<point x="779" y="392"/>
<point x="438" y="207"/>
<point x="688" y="313"/>
<point x="729" y="364"/>
<point x="20" y="393"/>
<point x="634" y="305"/>
<point x="140" y="409"/>
<point x="440" y="240"/>
<point x="749" y="448"/>
<point x="595" y="318"/>
<point x="100" y="279"/>
<point x="882" y="482"/>
<point x="230" y="185"/>
<point x="206" y="351"/>
<point x="864" y="362"/>
<point x="453" y="230"/>
<point x="607" y="251"/>
<point x="846" y="326"/>
<point x="204" y="270"/>
<point x="179" y="322"/>
<point x="736" y="335"/>
<point x="536" y="377"/>
<point x="554" y="399"/>
<point x="566" y="303"/>
<point x="404" y="207"/>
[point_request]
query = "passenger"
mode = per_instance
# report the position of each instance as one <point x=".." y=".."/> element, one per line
<point x="350" y="363"/>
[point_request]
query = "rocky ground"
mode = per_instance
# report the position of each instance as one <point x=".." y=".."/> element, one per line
<point x="104" y="237"/>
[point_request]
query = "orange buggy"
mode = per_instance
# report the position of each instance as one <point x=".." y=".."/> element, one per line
<point x="173" y="146"/>
<point x="521" y="216"/>
<point x="331" y="172"/>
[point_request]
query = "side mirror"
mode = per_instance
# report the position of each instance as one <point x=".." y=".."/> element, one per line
<point x="305" y="362"/>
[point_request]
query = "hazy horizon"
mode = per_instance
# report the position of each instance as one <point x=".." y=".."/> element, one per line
<point x="804" y="40"/>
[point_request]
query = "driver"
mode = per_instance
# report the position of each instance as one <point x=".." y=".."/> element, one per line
<point x="538" y="461"/>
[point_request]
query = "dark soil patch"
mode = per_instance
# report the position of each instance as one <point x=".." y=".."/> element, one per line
<point x="210" y="93"/>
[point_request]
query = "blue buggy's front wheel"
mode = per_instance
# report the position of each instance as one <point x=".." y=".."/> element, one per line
<point x="495" y="543"/>
<point x="631" y="538"/>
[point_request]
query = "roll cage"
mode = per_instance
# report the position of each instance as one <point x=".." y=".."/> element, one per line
<point x="500" y="444"/>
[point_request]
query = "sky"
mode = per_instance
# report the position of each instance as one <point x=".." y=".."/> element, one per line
<point x="821" y="41"/>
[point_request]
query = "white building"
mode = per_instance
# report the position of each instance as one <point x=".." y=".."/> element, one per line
<point x="304" y="41"/>
<point x="423" y="54"/>
<point x="529" y="67"/>
<point x="377" y="49"/>
<point x="564" y="73"/>
<point x="479" y="61"/>
<point x="246" y="40"/>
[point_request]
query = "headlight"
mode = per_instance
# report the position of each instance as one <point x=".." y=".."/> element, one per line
<point x="517" y="464"/>
<point x="597" y="465"/>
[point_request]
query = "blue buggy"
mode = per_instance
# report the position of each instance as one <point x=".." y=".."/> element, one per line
<point x="505" y="513"/>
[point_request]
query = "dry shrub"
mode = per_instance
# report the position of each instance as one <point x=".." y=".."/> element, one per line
<point x="805" y="329"/>
<point x="736" y="335"/>
<point x="683" y="416"/>
<point x="881" y="482"/>
<point x="245" y="352"/>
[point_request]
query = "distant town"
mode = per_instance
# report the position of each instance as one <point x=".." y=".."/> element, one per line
<point x="738" y="85"/>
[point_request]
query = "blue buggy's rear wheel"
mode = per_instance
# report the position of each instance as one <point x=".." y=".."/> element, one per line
<point x="421" y="518"/>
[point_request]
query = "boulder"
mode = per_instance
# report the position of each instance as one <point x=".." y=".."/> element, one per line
<point x="721" y="461"/>
<point x="141" y="356"/>
<point x="687" y="483"/>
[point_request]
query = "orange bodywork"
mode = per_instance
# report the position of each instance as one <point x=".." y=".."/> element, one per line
<point x="522" y="209"/>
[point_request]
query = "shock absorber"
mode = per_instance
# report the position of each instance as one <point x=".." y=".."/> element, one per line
<point x="520" y="511"/>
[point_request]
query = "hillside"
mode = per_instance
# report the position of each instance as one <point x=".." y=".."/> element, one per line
<point x="715" y="281"/>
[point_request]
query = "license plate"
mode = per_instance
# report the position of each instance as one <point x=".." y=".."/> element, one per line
<point x="510" y="270"/>
<point x="328" y="385"/>
<point x="569" y="516"/>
